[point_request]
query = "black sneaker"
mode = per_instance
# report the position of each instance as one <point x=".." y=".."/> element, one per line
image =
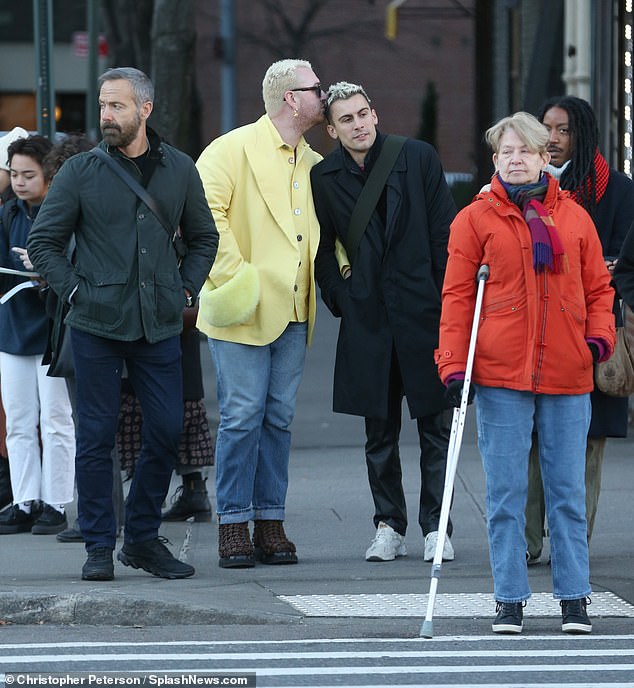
<point x="574" y="618"/>
<point x="154" y="557"/>
<point x="509" y="617"/>
<point x="50" y="521"/>
<point x="99" y="565"/>
<point x="15" y="520"/>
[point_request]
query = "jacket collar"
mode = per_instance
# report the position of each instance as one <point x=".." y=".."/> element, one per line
<point x="552" y="194"/>
<point x="340" y="159"/>
<point x="155" y="144"/>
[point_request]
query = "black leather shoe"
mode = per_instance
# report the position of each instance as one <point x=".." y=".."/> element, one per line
<point x="99" y="565"/>
<point x="190" y="500"/>
<point x="154" y="557"/>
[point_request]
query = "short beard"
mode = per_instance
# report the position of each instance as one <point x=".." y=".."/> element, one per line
<point x="114" y="135"/>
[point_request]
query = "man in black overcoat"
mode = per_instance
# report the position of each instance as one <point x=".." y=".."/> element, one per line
<point x="388" y="298"/>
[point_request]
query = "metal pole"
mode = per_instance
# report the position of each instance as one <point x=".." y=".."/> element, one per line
<point x="92" y="20"/>
<point x="227" y="69"/>
<point x="45" y="91"/>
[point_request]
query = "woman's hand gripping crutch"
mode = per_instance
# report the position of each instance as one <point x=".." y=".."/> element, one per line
<point x="453" y="453"/>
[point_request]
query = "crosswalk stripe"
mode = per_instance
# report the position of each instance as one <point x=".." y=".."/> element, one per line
<point x="327" y="641"/>
<point x="352" y="654"/>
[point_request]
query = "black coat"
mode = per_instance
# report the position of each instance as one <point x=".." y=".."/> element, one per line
<point x="392" y="300"/>
<point x="613" y="216"/>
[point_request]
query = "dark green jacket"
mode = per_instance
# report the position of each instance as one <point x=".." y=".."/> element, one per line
<point x="127" y="280"/>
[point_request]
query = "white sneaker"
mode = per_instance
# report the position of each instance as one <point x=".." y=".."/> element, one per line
<point x="387" y="544"/>
<point x="431" y="540"/>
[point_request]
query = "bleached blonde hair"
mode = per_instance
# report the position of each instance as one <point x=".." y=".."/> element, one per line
<point x="280" y="77"/>
<point x="343" y="90"/>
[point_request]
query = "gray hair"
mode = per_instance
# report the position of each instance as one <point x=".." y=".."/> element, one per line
<point x="530" y="130"/>
<point x="142" y="87"/>
<point x="343" y="90"/>
<point x="279" y="78"/>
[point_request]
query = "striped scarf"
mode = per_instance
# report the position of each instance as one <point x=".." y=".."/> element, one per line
<point x="548" y="251"/>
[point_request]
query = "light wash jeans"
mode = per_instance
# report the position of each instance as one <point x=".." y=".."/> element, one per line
<point x="505" y="422"/>
<point x="257" y="389"/>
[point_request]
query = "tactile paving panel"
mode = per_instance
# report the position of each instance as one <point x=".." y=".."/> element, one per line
<point x="446" y="605"/>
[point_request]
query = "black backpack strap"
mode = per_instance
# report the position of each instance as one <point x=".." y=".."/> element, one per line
<point x="371" y="192"/>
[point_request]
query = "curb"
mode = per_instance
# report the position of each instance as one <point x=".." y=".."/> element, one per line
<point x="114" y="610"/>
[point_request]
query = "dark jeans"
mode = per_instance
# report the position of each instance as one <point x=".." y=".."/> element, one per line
<point x="384" y="463"/>
<point x="154" y="371"/>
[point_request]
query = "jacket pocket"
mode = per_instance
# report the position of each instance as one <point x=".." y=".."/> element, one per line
<point x="100" y="297"/>
<point x="501" y="344"/>
<point x="574" y="314"/>
<point x="169" y="298"/>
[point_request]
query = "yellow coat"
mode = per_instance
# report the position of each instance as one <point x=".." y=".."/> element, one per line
<point x="248" y="295"/>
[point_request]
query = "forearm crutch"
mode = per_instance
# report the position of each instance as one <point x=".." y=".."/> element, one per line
<point x="453" y="454"/>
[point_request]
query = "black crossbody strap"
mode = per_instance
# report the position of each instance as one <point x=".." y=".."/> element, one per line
<point x="136" y="187"/>
<point x="369" y="196"/>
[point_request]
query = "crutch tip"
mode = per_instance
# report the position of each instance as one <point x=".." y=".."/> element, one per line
<point x="427" y="629"/>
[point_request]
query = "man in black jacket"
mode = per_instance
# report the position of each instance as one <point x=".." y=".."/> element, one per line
<point x="388" y="298"/>
<point x="127" y="295"/>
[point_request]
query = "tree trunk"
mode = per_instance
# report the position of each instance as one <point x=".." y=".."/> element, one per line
<point x="172" y="58"/>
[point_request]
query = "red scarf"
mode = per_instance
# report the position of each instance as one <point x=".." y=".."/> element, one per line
<point x="602" y="176"/>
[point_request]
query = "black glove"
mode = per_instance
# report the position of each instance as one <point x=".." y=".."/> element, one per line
<point x="454" y="393"/>
<point x="594" y="350"/>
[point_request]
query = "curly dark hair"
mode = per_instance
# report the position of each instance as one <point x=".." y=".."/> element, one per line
<point x="70" y="145"/>
<point x="580" y="175"/>
<point x="34" y="146"/>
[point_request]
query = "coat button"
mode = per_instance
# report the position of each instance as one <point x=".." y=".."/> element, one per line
<point x="141" y="216"/>
<point x="446" y="354"/>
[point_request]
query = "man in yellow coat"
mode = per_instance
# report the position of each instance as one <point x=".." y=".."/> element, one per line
<point x="258" y="306"/>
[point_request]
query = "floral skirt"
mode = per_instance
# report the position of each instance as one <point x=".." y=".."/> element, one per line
<point x="196" y="447"/>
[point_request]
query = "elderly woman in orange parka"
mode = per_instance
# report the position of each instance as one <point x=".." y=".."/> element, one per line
<point x="546" y="316"/>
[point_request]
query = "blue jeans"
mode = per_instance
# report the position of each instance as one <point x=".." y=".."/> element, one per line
<point x="155" y="373"/>
<point x="505" y="423"/>
<point x="257" y="389"/>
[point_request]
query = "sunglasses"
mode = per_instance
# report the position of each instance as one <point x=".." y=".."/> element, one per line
<point x="317" y="89"/>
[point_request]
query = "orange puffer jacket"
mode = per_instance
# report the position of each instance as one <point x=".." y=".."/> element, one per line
<point x="533" y="327"/>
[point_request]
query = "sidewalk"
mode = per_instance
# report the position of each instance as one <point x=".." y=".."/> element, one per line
<point x="329" y="518"/>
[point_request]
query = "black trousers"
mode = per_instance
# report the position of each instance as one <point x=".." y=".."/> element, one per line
<point x="384" y="462"/>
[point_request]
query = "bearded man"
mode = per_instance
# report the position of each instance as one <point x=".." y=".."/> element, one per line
<point x="127" y="290"/>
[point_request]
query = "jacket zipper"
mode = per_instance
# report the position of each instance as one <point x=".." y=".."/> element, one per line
<point x="542" y="342"/>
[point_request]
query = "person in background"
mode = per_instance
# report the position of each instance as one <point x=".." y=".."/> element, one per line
<point x="546" y="317"/>
<point x="258" y="307"/>
<point x="127" y="291"/>
<point x="608" y="197"/>
<point x="389" y="305"/>
<point x="6" y="192"/>
<point x="31" y="399"/>
<point x="195" y="451"/>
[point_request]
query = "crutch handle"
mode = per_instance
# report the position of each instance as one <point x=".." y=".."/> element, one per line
<point x="483" y="273"/>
